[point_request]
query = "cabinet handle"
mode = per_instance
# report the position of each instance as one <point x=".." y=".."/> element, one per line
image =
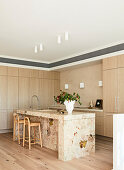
<point x="115" y="103"/>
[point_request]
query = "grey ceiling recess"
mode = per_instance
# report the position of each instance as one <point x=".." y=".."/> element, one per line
<point x="104" y="51"/>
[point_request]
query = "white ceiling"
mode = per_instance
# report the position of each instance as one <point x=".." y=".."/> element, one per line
<point x="91" y="24"/>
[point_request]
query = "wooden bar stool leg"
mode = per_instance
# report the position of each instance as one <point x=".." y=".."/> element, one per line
<point x="24" y="134"/>
<point x="14" y="126"/>
<point x="18" y="134"/>
<point x="34" y="136"/>
<point x="40" y="136"/>
<point x="29" y="133"/>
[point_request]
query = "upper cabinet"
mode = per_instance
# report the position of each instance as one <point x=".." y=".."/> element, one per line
<point x="34" y="73"/>
<point x="3" y="70"/>
<point x="110" y="63"/>
<point x="12" y="71"/>
<point x="23" y="72"/>
<point x="121" y="60"/>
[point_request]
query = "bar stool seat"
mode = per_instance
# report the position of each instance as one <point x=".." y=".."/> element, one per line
<point x="31" y="124"/>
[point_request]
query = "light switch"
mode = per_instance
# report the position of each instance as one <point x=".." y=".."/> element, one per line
<point x="81" y="85"/>
<point x="100" y="83"/>
<point x="66" y="86"/>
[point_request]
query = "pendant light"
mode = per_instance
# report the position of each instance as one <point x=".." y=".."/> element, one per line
<point x="59" y="39"/>
<point x="66" y="36"/>
<point x="35" y="49"/>
<point x="41" y="47"/>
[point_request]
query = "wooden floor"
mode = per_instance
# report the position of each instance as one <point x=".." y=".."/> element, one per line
<point x="15" y="157"/>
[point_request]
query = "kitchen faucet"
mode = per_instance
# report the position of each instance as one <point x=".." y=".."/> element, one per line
<point x="38" y="102"/>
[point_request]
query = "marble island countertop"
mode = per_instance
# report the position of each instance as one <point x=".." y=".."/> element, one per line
<point x="78" y="108"/>
<point x="54" y="114"/>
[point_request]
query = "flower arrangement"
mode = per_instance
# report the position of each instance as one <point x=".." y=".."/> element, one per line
<point x="66" y="96"/>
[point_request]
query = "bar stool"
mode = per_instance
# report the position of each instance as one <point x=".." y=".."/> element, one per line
<point x="18" y="122"/>
<point x="31" y="124"/>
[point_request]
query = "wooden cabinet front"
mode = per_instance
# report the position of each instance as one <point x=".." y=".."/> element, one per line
<point x="108" y="124"/>
<point x="120" y="101"/>
<point x="121" y="61"/>
<point x="3" y="119"/>
<point x="110" y="63"/>
<point x="110" y="90"/>
<point x="12" y="92"/>
<point x="24" y="92"/>
<point x="99" y="123"/>
<point x="3" y="92"/>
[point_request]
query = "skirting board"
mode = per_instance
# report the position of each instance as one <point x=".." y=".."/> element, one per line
<point x="6" y="130"/>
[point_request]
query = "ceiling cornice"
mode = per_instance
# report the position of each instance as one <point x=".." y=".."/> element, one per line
<point x="116" y="49"/>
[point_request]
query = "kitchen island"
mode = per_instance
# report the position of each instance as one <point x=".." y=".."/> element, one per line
<point x="73" y="136"/>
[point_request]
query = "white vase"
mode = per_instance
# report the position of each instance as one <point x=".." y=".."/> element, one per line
<point x="69" y="106"/>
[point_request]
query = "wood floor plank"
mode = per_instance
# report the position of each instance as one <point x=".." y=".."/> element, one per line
<point x="15" y="157"/>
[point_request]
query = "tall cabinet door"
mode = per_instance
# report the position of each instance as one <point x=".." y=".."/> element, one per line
<point x="110" y="91"/>
<point x="34" y="90"/>
<point x="3" y="92"/>
<point x="12" y="92"/>
<point x="45" y="93"/>
<point x="24" y="92"/>
<point x="120" y="90"/>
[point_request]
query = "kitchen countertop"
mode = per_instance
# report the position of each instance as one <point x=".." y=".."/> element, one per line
<point x="53" y="114"/>
<point x="78" y="108"/>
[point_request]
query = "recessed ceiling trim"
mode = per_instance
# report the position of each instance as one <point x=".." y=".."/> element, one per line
<point x="88" y="55"/>
<point x="66" y="62"/>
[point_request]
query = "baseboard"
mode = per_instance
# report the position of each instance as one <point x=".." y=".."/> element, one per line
<point x="5" y="130"/>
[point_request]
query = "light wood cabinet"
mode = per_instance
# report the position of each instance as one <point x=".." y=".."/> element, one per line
<point x="99" y="123"/>
<point x="120" y="101"/>
<point x="12" y="71"/>
<point x="45" y="93"/>
<point x="34" y="73"/>
<point x="3" y="92"/>
<point x="108" y="124"/>
<point x="18" y="85"/>
<point x="41" y="74"/>
<point x="110" y="63"/>
<point x="121" y="61"/>
<point x="41" y="93"/>
<point x="9" y="119"/>
<point x="12" y="92"/>
<point x="110" y="90"/>
<point x="56" y="87"/>
<point x="24" y="92"/>
<point x="34" y="90"/>
<point x="3" y="119"/>
<point x="3" y="70"/>
<point x="23" y="72"/>
<point x="57" y="75"/>
<point x="51" y="93"/>
<point x="46" y="75"/>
